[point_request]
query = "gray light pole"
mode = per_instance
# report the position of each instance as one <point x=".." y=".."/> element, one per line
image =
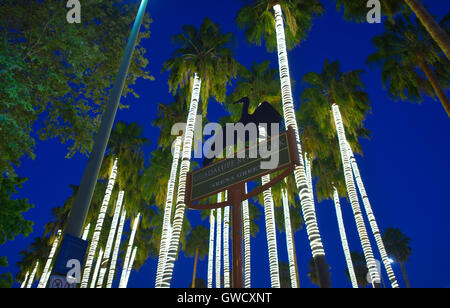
<point x="83" y="197"/>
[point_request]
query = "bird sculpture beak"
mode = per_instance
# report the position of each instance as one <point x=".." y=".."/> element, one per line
<point x="241" y="100"/>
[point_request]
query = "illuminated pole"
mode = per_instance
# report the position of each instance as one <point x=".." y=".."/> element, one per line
<point x="246" y="225"/>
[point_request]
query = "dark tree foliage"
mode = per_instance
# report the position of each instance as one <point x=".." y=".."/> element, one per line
<point x="55" y="77"/>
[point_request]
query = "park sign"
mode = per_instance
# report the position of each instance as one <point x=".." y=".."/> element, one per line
<point x="239" y="169"/>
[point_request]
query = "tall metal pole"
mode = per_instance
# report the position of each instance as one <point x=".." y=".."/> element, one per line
<point x="72" y="246"/>
<point x="84" y="194"/>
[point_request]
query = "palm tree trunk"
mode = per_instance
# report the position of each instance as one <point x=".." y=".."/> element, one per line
<point x="211" y="248"/>
<point x="195" y="269"/>
<point x="308" y="209"/>
<point x="436" y="32"/>
<point x="97" y="268"/>
<point x="247" y="255"/>
<point x="436" y="85"/>
<point x="405" y="275"/>
<point x="226" y="246"/>
<point x="86" y="232"/>
<point x="289" y="239"/>
<point x="98" y="227"/>
<point x="168" y="212"/>
<point x="126" y="263"/>
<point x="219" y="244"/>
<point x="47" y="270"/>
<point x="33" y="274"/>
<point x="110" y="241"/>
<point x="348" y="257"/>
<point x="130" y="267"/>
<point x="353" y="196"/>
<point x="112" y="267"/>
<point x="372" y="220"/>
<point x="24" y="282"/>
<point x="269" y="215"/>
<point x="184" y="169"/>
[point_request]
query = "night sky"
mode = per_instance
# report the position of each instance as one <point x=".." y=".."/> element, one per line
<point x="405" y="165"/>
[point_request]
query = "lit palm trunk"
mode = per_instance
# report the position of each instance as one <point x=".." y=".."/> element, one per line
<point x="289" y="240"/>
<point x="33" y="273"/>
<point x="184" y="169"/>
<point x="98" y="227"/>
<point x="130" y="267"/>
<point x="269" y="214"/>
<point x="351" y="189"/>
<point x="128" y="255"/>
<point x="226" y="246"/>
<point x="97" y="268"/>
<point x="219" y="243"/>
<point x="110" y="241"/>
<point x="24" y="282"/>
<point x="211" y="247"/>
<point x="246" y="226"/>
<point x="112" y="268"/>
<point x="168" y="212"/>
<point x="86" y="232"/>
<point x="343" y="234"/>
<point x="47" y="270"/>
<point x="372" y="220"/>
<point x="308" y="209"/>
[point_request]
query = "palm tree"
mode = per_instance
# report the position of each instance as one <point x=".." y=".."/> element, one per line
<point x="398" y="248"/>
<point x="168" y="210"/>
<point x="412" y="64"/>
<point x="125" y="148"/>
<point x="357" y="10"/>
<point x="328" y="89"/>
<point x="343" y="234"/>
<point x="47" y="270"/>
<point x="371" y="217"/>
<point x="212" y="220"/>
<point x="204" y="64"/>
<point x="260" y="23"/>
<point x="129" y="260"/>
<point x="197" y="245"/>
<point x="360" y="268"/>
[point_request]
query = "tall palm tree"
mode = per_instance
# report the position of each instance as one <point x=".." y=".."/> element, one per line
<point x="398" y="248"/>
<point x="371" y="218"/>
<point x="168" y="210"/>
<point x="204" y="64"/>
<point x="412" y="64"/>
<point x="47" y="269"/>
<point x="260" y="23"/>
<point x="357" y="10"/>
<point x="212" y="220"/>
<point x="343" y="234"/>
<point x="98" y="228"/>
<point x="197" y="245"/>
<point x="327" y="90"/>
<point x="129" y="260"/>
<point x="360" y="268"/>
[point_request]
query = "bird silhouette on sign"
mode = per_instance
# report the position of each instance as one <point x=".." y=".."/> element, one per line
<point x="265" y="115"/>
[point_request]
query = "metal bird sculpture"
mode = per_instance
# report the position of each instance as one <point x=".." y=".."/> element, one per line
<point x="265" y="114"/>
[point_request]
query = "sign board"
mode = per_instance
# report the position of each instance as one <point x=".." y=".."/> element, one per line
<point x="72" y="248"/>
<point x="228" y="172"/>
<point x="60" y="282"/>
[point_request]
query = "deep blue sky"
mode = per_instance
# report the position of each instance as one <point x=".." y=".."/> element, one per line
<point x="405" y="165"/>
